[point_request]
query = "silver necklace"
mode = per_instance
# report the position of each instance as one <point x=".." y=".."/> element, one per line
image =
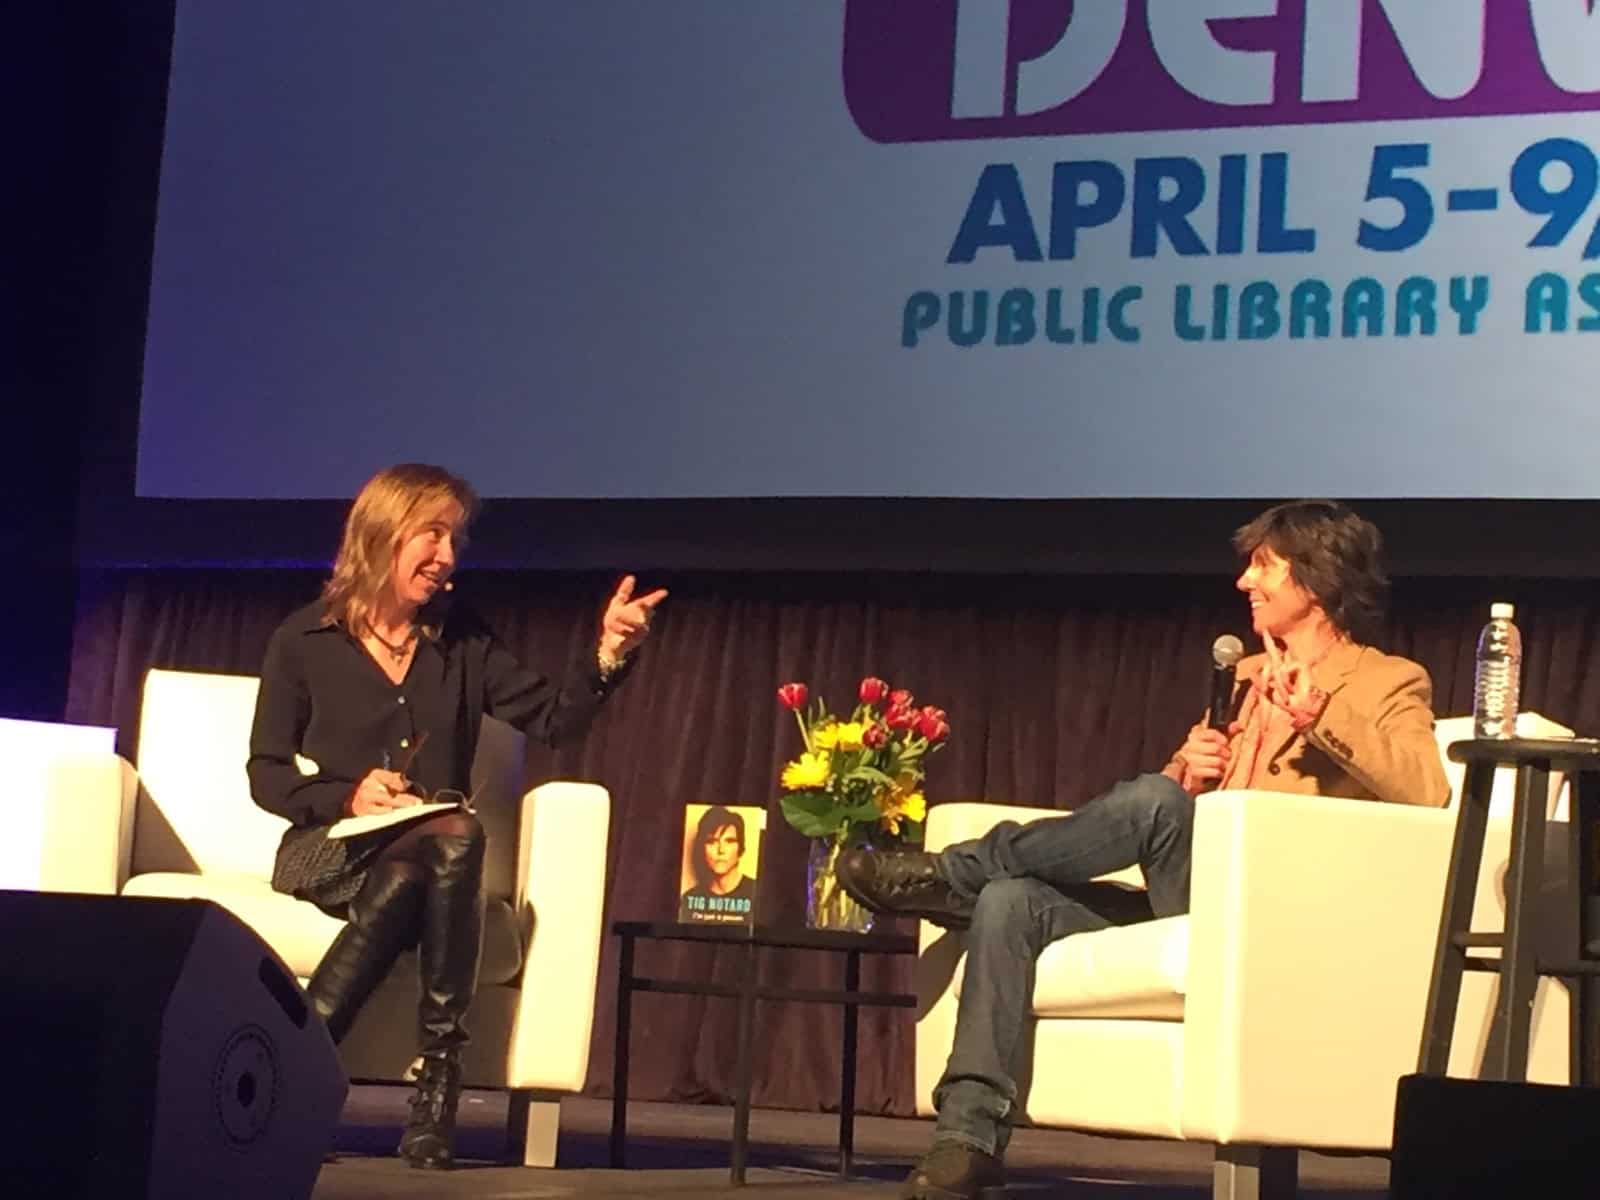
<point x="397" y="650"/>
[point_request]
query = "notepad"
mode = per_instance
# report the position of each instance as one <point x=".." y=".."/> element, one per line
<point x="372" y="822"/>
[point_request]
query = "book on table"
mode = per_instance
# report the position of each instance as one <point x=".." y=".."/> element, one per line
<point x="721" y="858"/>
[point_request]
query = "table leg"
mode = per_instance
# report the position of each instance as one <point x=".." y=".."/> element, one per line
<point x="1584" y="842"/>
<point x="1461" y="885"/>
<point x="619" y="1059"/>
<point x="743" y="1069"/>
<point x="847" y="1068"/>
<point x="1518" y="973"/>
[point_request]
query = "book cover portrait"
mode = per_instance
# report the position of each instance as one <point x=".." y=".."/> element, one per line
<point x="721" y="853"/>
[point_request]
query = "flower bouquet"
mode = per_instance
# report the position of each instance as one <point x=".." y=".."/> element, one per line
<point x="857" y="782"/>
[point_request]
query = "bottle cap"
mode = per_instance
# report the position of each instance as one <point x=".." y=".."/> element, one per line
<point x="1501" y="610"/>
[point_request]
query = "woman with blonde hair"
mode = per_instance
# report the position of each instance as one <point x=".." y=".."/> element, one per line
<point x="379" y="686"/>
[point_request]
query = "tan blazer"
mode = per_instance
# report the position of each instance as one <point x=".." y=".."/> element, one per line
<point x="1373" y="741"/>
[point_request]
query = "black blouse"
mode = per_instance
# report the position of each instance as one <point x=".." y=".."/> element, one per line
<point x="323" y="697"/>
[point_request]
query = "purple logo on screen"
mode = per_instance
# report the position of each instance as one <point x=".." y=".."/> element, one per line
<point x="933" y="70"/>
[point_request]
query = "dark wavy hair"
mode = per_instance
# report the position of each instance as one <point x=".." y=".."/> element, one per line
<point x="1333" y="553"/>
<point x="714" y="818"/>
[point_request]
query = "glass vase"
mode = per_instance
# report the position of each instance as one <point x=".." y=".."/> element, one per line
<point x="827" y="904"/>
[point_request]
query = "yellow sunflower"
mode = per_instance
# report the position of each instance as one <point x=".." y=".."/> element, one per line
<point x="898" y="806"/>
<point x="807" y="771"/>
<point x="850" y="734"/>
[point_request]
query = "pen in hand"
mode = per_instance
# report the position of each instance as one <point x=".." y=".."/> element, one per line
<point x="384" y="789"/>
<point x="411" y="754"/>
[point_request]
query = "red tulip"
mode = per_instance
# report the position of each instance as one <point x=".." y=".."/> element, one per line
<point x="873" y="690"/>
<point x="900" y="718"/>
<point x="932" y="725"/>
<point x="792" y="696"/>
<point x="900" y="698"/>
<point x="875" y="738"/>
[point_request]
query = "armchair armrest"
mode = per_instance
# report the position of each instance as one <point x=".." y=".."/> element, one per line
<point x="83" y="826"/>
<point x="1312" y="929"/>
<point x="560" y="894"/>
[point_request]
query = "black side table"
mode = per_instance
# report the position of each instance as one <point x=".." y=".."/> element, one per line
<point x="1519" y="970"/>
<point x="747" y="992"/>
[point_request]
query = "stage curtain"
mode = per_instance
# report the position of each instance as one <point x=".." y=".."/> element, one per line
<point x="1055" y="686"/>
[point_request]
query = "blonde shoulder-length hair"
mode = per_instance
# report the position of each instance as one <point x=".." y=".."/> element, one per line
<point x="384" y="513"/>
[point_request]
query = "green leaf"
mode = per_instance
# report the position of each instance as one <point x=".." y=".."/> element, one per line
<point x="866" y="810"/>
<point x="872" y="773"/>
<point x="815" y="814"/>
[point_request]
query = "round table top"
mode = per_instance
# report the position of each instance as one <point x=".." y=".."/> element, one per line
<point x="1572" y="754"/>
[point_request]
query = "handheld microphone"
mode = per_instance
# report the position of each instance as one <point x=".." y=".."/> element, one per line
<point x="1226" y="652"/>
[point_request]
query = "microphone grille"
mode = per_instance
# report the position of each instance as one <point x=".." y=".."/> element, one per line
<point x="1227" y="650"/>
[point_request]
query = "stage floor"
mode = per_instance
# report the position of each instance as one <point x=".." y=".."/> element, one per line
<point x="677" y="1150"/>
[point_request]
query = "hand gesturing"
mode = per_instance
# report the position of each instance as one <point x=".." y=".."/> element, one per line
<point x="1289" y="685"/>
<point x="626" y="621"/>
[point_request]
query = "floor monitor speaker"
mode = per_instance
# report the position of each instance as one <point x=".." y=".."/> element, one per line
<point x="1470" y="1138"/>
<point x="156" y="1048"/>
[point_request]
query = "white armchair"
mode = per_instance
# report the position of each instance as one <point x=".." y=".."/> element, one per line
<point x="1282" y="1010"/>
<point x="41" y="758"/>
<point x="184" y="825"/>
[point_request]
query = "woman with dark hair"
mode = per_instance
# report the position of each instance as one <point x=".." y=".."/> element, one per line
<point x="370" y="702"/>
<point x="1335" y="555"/>
<point x="1313" y="567"/>
<point x="1320" y="713"/>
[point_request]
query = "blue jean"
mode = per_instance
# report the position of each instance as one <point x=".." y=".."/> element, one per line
<point x="1032" y="886"/>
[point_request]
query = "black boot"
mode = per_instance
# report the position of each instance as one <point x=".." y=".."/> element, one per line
<point x="431" y="1127"/>
<point x="953" y="1171"/>
<point x="451" y="945"/>
<point x="902" y="882"/>
<point x="385" y="921"/>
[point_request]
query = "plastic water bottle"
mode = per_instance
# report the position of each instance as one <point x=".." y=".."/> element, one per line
<point x="1497" y="677"/>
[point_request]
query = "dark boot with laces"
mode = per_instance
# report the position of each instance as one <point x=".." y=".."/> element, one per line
<point x="955" y="1171"/>
<point x="902" y="882"/>
<point x="431" y="1128"/>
